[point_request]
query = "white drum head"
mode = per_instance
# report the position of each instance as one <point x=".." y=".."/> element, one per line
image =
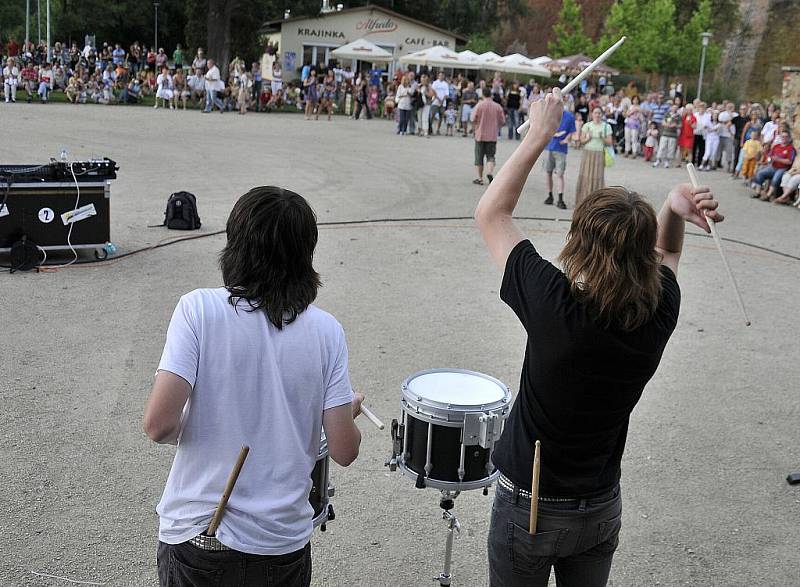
<point x="456" y="388"/>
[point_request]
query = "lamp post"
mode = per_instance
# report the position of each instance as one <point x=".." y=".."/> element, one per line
<point x="705" y="38"/>
<point x="155" y="9"/>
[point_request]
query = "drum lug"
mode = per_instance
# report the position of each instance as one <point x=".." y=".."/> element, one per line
<point x="397" y="431"/>
<point x="331" y="513"/>
<point x="420" y="484"/>
<point x="331" y="490"/>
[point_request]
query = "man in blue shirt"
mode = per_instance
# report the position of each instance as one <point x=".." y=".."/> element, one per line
<point x="556" y="161"/>
<point x="660" y="109"/>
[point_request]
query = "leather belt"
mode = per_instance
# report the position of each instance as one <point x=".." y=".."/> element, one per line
<point x="205" y="542"/>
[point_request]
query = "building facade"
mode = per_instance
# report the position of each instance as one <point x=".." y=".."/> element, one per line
<point x="310" y="40"/>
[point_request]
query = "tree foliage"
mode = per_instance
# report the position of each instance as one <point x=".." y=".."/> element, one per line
<point x="568" y="35"/>
<point x="656" y="43"/>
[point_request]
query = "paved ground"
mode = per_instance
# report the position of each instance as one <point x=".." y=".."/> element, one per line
<point x="710" y="443"/>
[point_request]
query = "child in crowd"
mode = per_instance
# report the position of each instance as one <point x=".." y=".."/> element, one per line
<point x="245" y="87"/>
<point x="651" y="142"/>
<point x="372" y="99"/>
<point x="450" y="118"/>
<point x="389" y="103"/>
<point x="73" y="91"/>
<point x="752" y="154"/>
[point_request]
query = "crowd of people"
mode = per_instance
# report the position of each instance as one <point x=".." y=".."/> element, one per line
<point x="752" y="142"/>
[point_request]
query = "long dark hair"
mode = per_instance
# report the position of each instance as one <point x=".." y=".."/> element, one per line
<point x="610" y="257"/>
<point x="267" y="260"/>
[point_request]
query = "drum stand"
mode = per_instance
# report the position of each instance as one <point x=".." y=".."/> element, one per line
<point x="453" y="527"/>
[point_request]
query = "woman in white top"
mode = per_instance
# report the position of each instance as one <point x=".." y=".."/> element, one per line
<point x="404" y="107"/>
<point x="165" y="91"/>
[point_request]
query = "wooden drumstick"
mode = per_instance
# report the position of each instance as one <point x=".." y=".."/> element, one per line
<point x="237" y="468"/>
<point x="372" y="417"/>
<point x="580" y="77"/>
<point x="718" y="241"/>
<point x="537" y="461"/>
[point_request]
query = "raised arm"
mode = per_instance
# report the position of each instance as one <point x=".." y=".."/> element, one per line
<point x="496" y="208"/>
<point x="683" y="204"/>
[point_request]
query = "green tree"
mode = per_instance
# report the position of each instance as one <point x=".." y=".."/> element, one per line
<point x="568" y="35"/>
<point x="480" y="43"/>
<point x="690" y="43"/>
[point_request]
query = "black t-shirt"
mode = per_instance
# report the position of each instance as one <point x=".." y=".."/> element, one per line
<point x="579" y="381"/>
<point x="513" y="100"/>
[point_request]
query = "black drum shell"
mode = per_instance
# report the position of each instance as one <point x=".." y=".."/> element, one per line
<point x="318" y="496"/>
<point x="445" y="452"/>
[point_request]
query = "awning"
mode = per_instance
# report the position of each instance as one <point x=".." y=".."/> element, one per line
<point x="363" y="50"/>
<point x="438" y="56"/>
<point x="521" y="65"/>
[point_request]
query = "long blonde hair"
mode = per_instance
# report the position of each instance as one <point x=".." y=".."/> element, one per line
<point x="610" y="257"/>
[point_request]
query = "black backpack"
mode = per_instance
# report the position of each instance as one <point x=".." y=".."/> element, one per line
<point x="181" y="212"/>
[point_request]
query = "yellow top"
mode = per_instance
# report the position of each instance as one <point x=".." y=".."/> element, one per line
<point x="752" y="148"/>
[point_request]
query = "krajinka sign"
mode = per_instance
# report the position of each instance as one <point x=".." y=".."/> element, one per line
<point x="320" y="33"/>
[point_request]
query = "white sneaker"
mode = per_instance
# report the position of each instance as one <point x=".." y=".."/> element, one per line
<point x="666" y="164"/>
<point x="155" y="106"/>
<point x="656" y="164"/>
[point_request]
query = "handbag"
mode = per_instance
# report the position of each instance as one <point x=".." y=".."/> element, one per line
<point x="610" y="156"/>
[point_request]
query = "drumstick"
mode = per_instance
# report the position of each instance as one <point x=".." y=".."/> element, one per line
<point x="212" y="527"/>
<point x="537" y="459"/>
<point x="718" y="241"/>
<point x="372" y="417"/>
<point x="580" y="77"/>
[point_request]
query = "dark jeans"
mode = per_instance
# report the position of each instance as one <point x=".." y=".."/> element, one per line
<point x="405" y="115"/>
<point x="578" y="537"/>
<point x="698" y="149"/>
<point x="768" y="172"/>
<point x="184" y="565"/>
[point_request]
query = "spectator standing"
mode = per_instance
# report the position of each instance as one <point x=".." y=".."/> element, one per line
<point x="487" y="120"/>
<point x="161" y="59"/>
<point x="660" y="109"/>
<point x="255" y="71"/>
<point x="12" y="47"/>
<point x="177" y="57"/>
<point x="712" y="143"/>
<point x="513" y="101"/>
<point x="118" y="55"/>
<point x="10" y="80"/>
<point x="328" y="94"/>
<point x="404" y="108"/>
<point x="151" y="59"/>
<point x="276" y="79"/>
<point x="311" y="93"/>
<point x="213" y="84"/>
<point x="595" y="137"/>
<point x="134" y="56"/>
<point x="725" y="154"/>
<point x="556" y="161"/>
<point x="686" y="134"/>
<point x="633" y="128"/>
<point x="200" y="63"/>
<point x="423" y="101"/>
<point x="770" y="128"/>
<point x="245" y="90"/>
<point x="703" y="117"/>
<point x="668" y="143"/>
<point x="469" y="98"/>
<point x="441" y="92"/>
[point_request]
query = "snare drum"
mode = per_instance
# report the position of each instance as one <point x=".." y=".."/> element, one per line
<point x="321" y="489"/>
<point x="450" y="421"/>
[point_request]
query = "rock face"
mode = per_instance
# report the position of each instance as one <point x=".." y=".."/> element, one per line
<point x="757" y="42"/>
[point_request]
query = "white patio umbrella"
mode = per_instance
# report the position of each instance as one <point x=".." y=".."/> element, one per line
<point x="438" y="56"/>
<point x="519" y="64"/>
<point x="489" y="59"/>
<point x="468" y="56"/>
<point x="362" y="50"/>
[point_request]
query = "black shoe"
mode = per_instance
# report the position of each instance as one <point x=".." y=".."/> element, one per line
<point x="561" y="205"/>
<point x="490" y="177"/>
<point x="549" y="200"/>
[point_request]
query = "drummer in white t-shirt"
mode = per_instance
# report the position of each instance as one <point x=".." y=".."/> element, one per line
<point x="251" y="363"/>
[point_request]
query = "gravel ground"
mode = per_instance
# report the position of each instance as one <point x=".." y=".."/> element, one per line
<point x="709" y="446"/>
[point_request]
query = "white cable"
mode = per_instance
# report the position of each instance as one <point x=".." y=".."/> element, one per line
<point x="71" y="224"/>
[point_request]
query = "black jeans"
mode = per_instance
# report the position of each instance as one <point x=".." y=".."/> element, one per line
<point x="185" y="565"/>
<point x="578" y="537"/>
<point x="698" y="149"/>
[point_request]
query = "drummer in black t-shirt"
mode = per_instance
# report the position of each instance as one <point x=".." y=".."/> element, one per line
<point x="596" y="333"/>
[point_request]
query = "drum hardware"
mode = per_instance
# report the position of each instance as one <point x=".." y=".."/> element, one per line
<point x="446" y="502"/>
<point x="321" y="488"/>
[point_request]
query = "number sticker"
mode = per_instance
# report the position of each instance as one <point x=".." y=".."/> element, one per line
<point x="46" y="215"/>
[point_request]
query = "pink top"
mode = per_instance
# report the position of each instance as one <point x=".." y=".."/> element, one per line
<point x="489" y="117"/>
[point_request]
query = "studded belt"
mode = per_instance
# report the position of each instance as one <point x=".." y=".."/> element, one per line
<point x="205" y="542"/>
<point x="508" y="484"/>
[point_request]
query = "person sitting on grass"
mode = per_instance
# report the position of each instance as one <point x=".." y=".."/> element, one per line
<point x="30" y="78"/>
<point x="73" y="90"/>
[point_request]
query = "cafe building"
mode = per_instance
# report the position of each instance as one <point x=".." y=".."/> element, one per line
<point x="310" y="40"/>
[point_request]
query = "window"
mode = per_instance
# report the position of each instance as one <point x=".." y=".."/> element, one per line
<point x="317" y="55"/>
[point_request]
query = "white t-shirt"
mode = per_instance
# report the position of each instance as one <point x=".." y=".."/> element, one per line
<point x="768" y="132"/>
<point x="442" y="89"/>
<point x="256" y="385"/>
